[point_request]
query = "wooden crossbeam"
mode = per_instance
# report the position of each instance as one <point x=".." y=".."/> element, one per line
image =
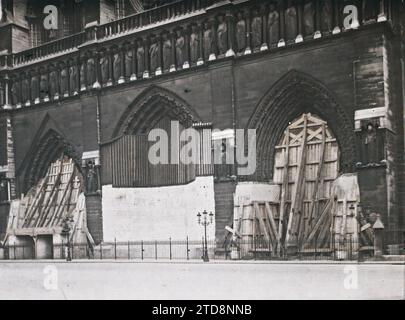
<point x="309" y="143"/>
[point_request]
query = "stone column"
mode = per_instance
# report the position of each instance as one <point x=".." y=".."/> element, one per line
<point x="300" y="12"/>
<point x="110" y="54"/>
<point x="34" y="85"/>
<point x="83" y="76"/>
<point x="159" y="56"/>
<point x="186" y="50"/>
<point x="214" y="49"/>
<point x="230" y="21"/>
<point x="146" y="44"/>
<point x="132" y="47"/>
<point x="248" y="49"/>
<point x="172" y="37"/>
<point x="383" y="14"/>
<point x="7" y="103"/>
<point x="318" y="33"/>
<point x="336" y="17"/>
<point x="265" y="40"/>
<point x="200" y="48"/>
<point x="281" y="8"/>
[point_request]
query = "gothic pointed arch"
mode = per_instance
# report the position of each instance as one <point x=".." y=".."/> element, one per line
<point x="150" y="107"/>
<point x="291" y="96"/>
<point x="45" y="150"/>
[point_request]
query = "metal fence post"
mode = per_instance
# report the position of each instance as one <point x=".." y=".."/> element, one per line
<point x="14" y="251"/>
<point x="129" y="251"/>
<point x="155" y="250"/>
<point x="170" y="248"/>
<point x="142" y="249"/>
<point x="61" y="251"/>
<point x="239" y="246"/>
<point x="203" y="247"/>
<point x="101" y="251"/>
<point x="316" y="246"/>
<point x="188" y="250"/>
<point x="270" y="249"/>
<point x="350" y="247"/>
<point x="115" y="248"/>
<point x="254" y="247"/>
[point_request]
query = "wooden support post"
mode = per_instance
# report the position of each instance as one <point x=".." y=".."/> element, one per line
<point x="62" y="200"/>
<point x="272" y="223"/>
<point x="297" y="196"/>
<point x="39" y="219"/>
<point x="268" y="235"/>
<point x="284" y="191"/>
<point x="321" y="220"/>
<point x="315" y="198"/>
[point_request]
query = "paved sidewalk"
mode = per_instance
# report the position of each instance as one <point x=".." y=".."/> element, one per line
<point x="200" y="281"/>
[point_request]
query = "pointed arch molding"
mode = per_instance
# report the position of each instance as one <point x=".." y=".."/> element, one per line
<point x="44" y="151"/>
<point x="291" y="96"/>
<point x="149" y="107"/>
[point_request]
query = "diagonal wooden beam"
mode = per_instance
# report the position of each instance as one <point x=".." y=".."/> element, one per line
<point x="269" y="237"/>
<point x="51" y="194"/>
<point x="284" y="191"/>
<point x="270" y="218"/>
<point x="63" y="200"/>
<point x="297" y="196"/>
<point x="38" y="199"/>
<point x="321" y="219"/>
<point x="315" y="199"/>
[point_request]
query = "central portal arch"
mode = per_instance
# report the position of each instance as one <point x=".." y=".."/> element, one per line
<point x="305" y="167"/>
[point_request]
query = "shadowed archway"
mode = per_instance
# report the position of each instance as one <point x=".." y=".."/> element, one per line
<point x="47" y="149"/>
<point x="150" y="107"/>
<point x="291" y="96"/>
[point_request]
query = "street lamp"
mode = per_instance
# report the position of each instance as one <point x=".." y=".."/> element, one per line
<point x="206" y="220"/>
<point x="66" y="228"/>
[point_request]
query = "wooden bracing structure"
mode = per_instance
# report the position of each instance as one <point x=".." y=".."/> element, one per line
<point x="307" y="163"/>
<point x="316" y="210"/>
<point x="57" y="196"/>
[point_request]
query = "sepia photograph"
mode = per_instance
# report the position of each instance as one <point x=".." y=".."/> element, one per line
<point x="229" y="151"/>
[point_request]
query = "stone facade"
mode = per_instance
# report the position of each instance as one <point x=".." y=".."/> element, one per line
<point x="231" y="81"/>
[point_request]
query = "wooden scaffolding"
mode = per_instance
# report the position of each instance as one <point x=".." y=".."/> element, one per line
<point x="57" y="196"/>
<point x="316" y="210"/>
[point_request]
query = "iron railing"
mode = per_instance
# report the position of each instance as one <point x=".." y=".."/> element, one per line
<point x="171" y="250"/>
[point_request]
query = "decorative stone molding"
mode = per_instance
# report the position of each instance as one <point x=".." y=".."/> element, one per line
<point x="136" y="118"/>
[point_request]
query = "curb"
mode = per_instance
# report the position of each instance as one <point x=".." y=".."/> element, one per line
<point x="212" y="262"/>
